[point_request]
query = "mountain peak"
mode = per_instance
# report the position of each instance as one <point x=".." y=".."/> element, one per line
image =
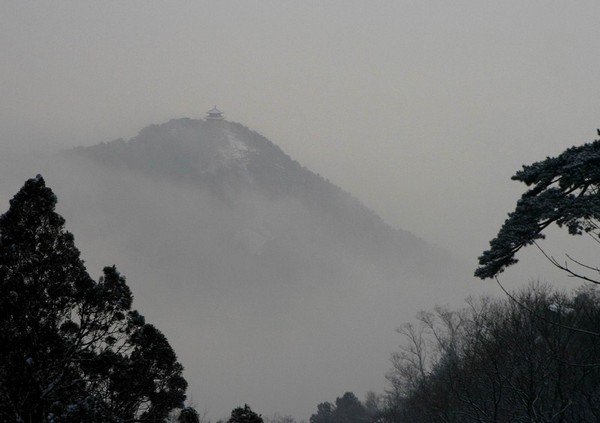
<point x="191" y="149"/>
<point x="228" y="159"/>
<point x="208" y="148"/>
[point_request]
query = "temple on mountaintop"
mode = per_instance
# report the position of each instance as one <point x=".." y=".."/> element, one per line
<point x="214" y="114"/>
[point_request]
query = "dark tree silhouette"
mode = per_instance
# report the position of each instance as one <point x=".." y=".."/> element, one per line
<point x="347" y="409"/>
<point x="188" y="415"/>
<point x="72" y="349"/>
<point x="325" y="413"/>
<point x="502" y="360"/>
<point x="565" y="191"/>
<point x="244" y="415"/>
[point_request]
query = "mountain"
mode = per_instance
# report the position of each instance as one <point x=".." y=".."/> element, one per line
<point x="232" y="163"/>
<point x="275" y="287"/>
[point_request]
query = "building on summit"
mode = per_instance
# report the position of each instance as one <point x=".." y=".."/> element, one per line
<point x="214" y="114"/>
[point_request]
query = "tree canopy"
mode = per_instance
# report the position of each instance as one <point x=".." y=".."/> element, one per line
<point x="347" y="409"/>
<point x="244" y="415"/>
<point x="564" y="190"/>
<point x="72" y="349"/>
<point x="501" y="360"/>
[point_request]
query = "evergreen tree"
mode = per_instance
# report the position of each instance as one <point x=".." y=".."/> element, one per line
<point x="72" y="349"/>
<point x="244" y="415"/>
<point x="325" y="413"/>
<point x="347" y="409"/>
<point x="565" y="191"/>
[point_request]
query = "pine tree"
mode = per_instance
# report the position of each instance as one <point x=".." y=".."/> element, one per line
<point x="72" y="349"/>
<point x="564" y="190"/>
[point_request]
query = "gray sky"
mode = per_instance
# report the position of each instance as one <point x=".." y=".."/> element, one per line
<point x="423" y="110"/>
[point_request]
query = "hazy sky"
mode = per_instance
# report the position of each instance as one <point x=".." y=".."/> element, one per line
<point x="422" y="109"/>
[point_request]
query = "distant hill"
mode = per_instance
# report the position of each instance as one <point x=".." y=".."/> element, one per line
<point x="275" y="287"/>
<point x="230" y="161"/>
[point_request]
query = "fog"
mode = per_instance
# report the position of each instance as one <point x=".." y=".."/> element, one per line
<point x="422" y="110"/>
<point x="372" y="97"/>
<point x="263" y="302"/>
